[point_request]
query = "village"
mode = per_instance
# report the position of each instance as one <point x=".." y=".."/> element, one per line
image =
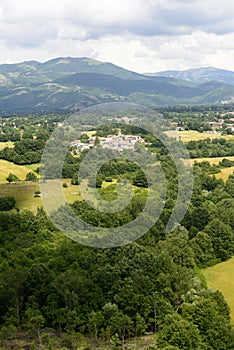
<point x="221" y="125"/>
<point x="118" y="142"/>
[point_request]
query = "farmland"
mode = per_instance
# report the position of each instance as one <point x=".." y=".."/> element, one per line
<point x="192" y="135"/>
<point x="215" y="160"/>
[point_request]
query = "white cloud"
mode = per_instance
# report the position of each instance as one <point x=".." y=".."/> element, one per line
<point x="141" y="35"/>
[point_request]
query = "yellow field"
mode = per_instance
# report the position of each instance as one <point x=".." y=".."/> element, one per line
<point x="90" y="133"/>
<point x="192" y="135"/>
<point x="212" y="161"/>
<point x="225" y="173"/>
<point x="7" y="167"/>
<point x="221" y="277"/>
<point x="6" y="144"/>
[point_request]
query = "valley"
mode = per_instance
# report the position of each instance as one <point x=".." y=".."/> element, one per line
<point x="148" y="293"/>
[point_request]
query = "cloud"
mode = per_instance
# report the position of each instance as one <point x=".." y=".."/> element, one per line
<point x="141" y="35"/>
<point x="142" y="17"/>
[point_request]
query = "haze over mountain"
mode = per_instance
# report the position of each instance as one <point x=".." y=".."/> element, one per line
<point x="199" y="75"/>
<point x="74" y="83"/>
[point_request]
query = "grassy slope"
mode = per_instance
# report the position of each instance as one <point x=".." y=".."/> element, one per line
<point x="8" y="167"/>
<point x="221" y="277"/>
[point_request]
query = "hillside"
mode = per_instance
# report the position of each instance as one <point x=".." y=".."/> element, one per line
<point x="74" y="83"/>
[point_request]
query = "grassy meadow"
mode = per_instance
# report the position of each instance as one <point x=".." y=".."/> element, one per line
<point x="221" y="277"/>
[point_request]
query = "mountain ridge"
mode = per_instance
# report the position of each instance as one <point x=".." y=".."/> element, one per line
<point x="199" y="75"/>
<point x="69" y="83"/>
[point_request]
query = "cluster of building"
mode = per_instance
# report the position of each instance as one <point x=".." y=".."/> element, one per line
<point x="221" y="123"/>
<point x="115" y="142"/>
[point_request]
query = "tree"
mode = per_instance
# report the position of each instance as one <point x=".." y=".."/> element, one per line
<point x="35" y="322"/>
<point x="202" y="248"/>
<point x="222" y="238"/>
<point x="7" y="203"/>
<point x="140" y="325"/>
<point x="12" y="178"/>
<point x="140" y="180"/>
<point x="95" y="322"/>
<point x="180" y="333"/>
<point x="121" y="324"/>
<point x="211" y="316"/>
<point x="30" y="177"/>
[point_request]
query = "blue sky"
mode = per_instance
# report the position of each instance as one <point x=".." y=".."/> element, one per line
<point x="140" y="35"/>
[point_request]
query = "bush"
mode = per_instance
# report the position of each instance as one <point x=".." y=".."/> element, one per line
<point x="7" y="203"/>
<point x="31" y="177"/>
<point x="12" y="178"/>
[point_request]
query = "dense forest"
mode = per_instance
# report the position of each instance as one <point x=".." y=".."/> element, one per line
<point x="59" y="294"/>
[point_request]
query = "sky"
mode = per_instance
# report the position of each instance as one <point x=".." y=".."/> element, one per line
<point x="139" y="35"/>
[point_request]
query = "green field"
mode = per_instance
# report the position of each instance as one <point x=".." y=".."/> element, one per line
<point x="24" y="193"/>
<point x="221" y="277"/>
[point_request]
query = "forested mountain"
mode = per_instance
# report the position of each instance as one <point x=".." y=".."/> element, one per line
<point x="74" y="83"/>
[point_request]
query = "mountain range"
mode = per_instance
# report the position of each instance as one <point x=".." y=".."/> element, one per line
<point x="69" y="84"/>
<point x="199" y="75"/>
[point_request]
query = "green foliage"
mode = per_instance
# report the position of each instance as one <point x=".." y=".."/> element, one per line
<point x="211" y="148"/>
<point x="7" y="203"/>
<point x="12" y="178"/>
<point x="179" y="333"/>
<point x="31" y="177"/>
<point x="153" y="285"/>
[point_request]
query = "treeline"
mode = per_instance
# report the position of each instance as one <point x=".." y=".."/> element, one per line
<point x="219" y="147"/>
<point x="24" y="152"/>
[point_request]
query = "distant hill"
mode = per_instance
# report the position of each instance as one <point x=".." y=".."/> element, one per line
<point x="199" y="75"/>
<point x="75" y="83"/>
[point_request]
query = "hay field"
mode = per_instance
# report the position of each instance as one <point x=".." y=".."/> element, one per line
<point x="193" y="135"/>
